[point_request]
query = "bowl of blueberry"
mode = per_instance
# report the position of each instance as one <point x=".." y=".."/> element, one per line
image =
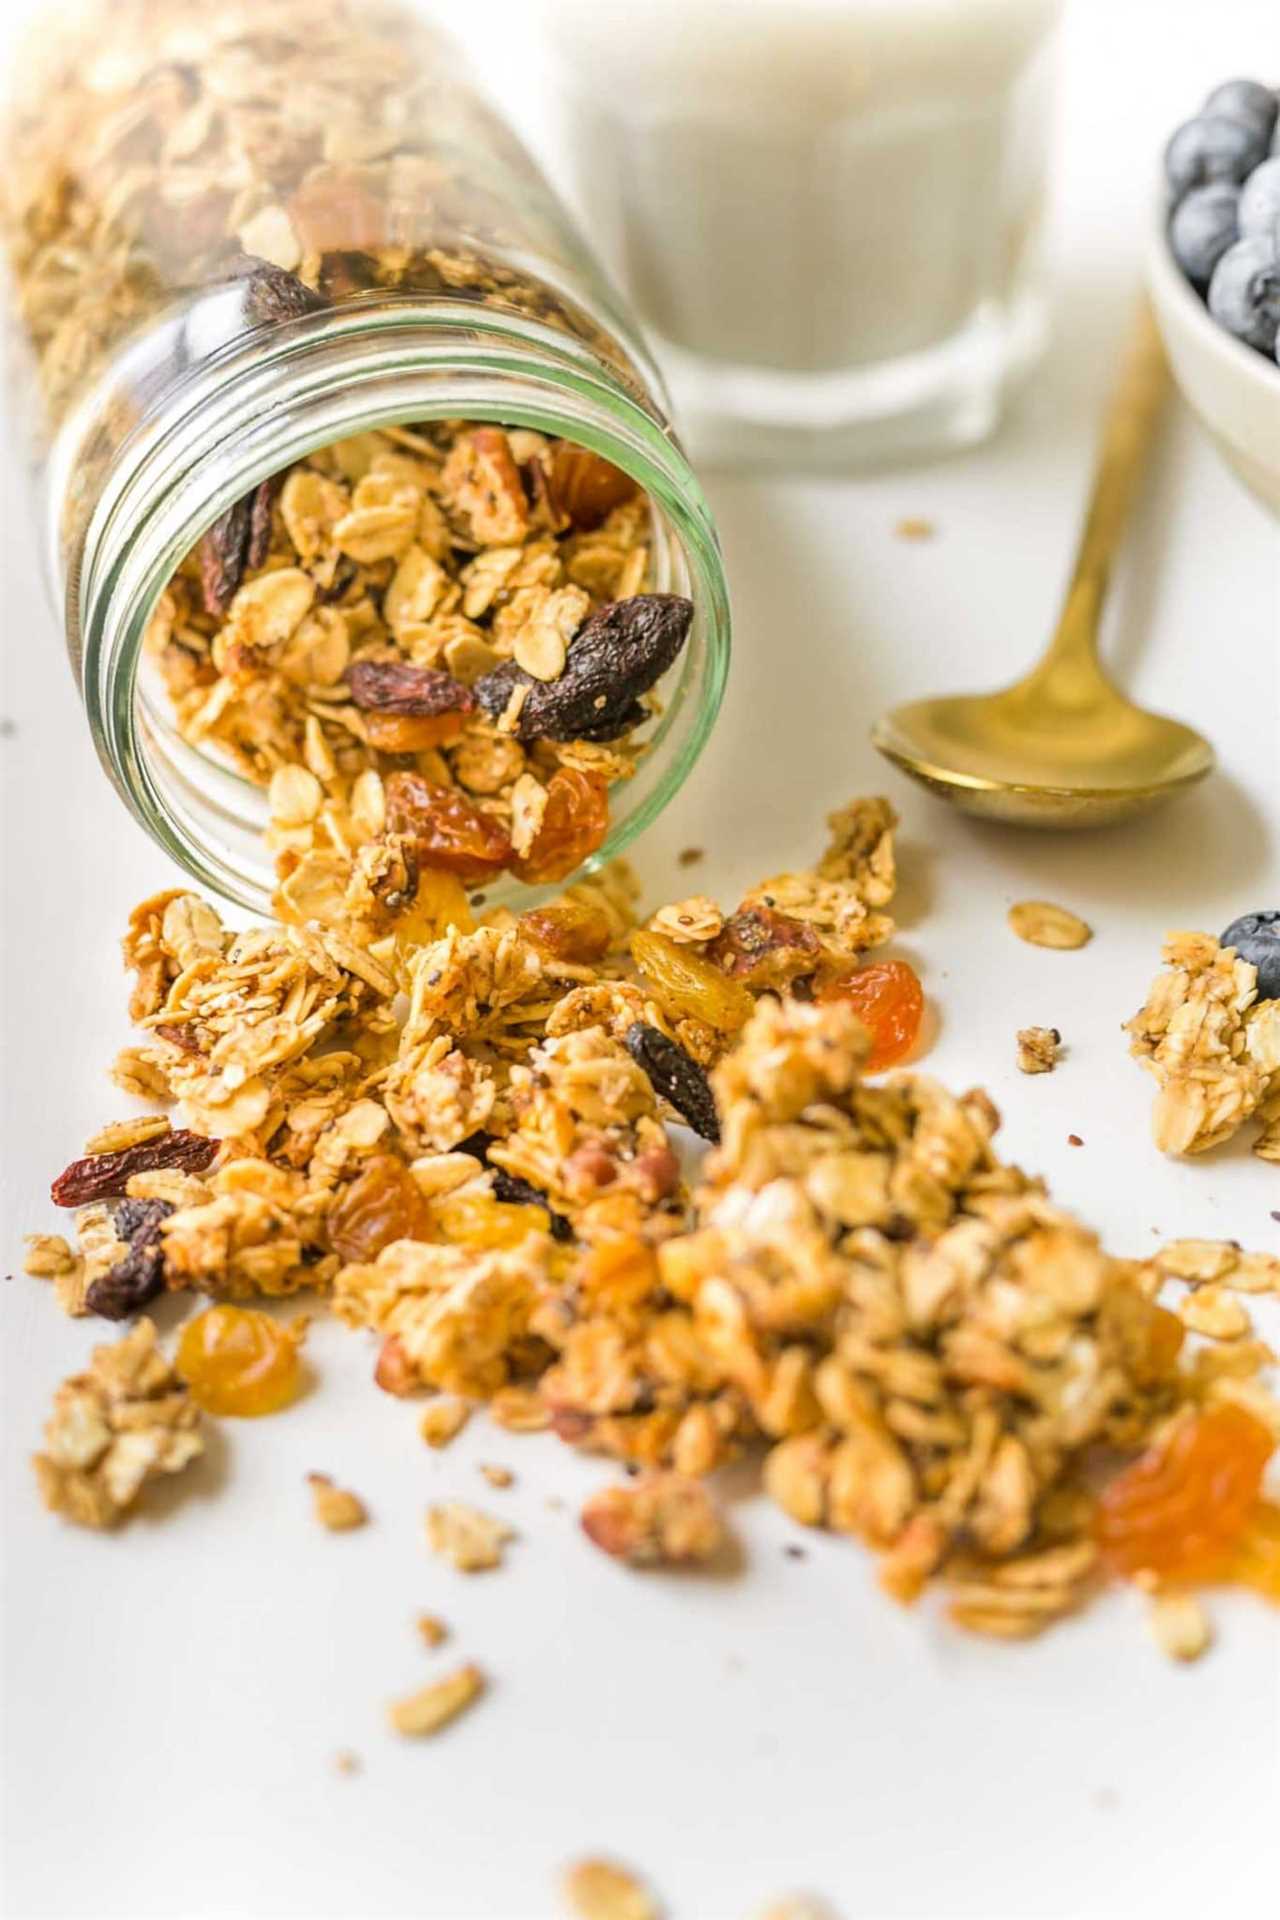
<point x="1214" y="274"/>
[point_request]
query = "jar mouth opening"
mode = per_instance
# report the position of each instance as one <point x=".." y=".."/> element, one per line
<point x="253" y="411"/>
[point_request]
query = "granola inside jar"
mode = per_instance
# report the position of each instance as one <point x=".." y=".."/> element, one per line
<point x="357" y="487"/>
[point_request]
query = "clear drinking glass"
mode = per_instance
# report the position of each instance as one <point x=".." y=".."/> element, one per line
<point x="240" y="232"/>
<point x="826" y="212"/>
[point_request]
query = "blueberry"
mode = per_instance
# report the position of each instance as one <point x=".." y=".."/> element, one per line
<point x="1256" y="938"/>
<point x="1246" y="100"/>
<point x="1211" y="147"/>
<point x="1260" y="203"/>
<point x="1203" y="226"/>
<point x="1244" y="293"/>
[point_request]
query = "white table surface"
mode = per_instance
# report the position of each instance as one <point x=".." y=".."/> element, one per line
<point x="174" y="1697"/>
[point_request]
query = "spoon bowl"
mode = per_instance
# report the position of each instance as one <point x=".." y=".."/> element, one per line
<point x="1062" y="747"/>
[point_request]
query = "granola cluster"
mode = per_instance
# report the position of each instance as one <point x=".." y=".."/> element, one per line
<point x="462" y="1144"/>
<point x="1213" y="1046"/>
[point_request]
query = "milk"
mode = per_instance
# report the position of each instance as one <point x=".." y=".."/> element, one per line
<point x="806" y="199"/>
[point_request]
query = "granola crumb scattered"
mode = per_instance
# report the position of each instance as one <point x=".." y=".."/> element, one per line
<point x="1038" y="1049"/>
<point x="126" y="1420"/>
<point x="1180" y="1626"/>
<point x="797" y="1906"/>
<point x="473" y="1541"/>
<point x="659" y="1519"/>
<point x="690" y="856"/>
<point x="435" y="1705"/>
<point x="443" y="1420"/>
<point x="335" y="1508"/>
<point x="1074" y="1140"/>
<point x="603" y="1890"/>
<point x="497" y="1476"/>
<point x="1041" y="924"/>
<point x="346" y="1762"/>
<point x="47" y="1256"/>
<point x="1214" y="1312"/>
<point x="431" y="1629"/>
<point x="915" y="528"/>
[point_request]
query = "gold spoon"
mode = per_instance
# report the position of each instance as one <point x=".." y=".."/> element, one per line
<point x="1061" y="747"/>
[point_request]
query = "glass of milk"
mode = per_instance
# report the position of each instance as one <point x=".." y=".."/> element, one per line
<point x="826" y="211"/>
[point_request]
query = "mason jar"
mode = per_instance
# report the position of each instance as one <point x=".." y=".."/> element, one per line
<point x="247" y="237"/>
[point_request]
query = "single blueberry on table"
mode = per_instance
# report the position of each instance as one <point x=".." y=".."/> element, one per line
<point x="1211" y="147"/>
<point x="1245" y="100"/>
<point x="1201" y="229"/>
<point x="1256" y="938"/>
<point x="1260" y="203"/>
<point x="1244" y="293"/>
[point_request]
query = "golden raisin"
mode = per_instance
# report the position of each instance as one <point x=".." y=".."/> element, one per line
<point x="574" y="825"/>
<point x="569" y="930"/>
<point x="439" y="902"/>
<point x="889" y="1000"/>
<point x="412" y="732"/>
<point x="445" y="829"/>
<point x="487" y="1224"/>
<point x="239" y="1361"/>
<point x="1179" y="1508"/>
<point x="585" y="486"/>
<point x="686" y="986"/>
<point x="382" y="1204"/>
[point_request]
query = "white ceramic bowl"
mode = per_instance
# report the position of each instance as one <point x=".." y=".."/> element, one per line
<point x="1234" y="391"/>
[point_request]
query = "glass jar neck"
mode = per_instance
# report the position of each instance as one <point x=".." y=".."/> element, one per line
<point x="253" y="408"/>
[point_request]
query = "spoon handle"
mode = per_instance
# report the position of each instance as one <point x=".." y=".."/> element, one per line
<point x="1133" y="414"/>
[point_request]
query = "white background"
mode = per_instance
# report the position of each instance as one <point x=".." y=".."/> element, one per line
<point x="174" y="1697"/>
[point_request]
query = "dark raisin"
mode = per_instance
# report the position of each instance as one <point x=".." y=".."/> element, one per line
<point x="343" y="574"/>
<point x="105" y="1176"/>
<point x="510" y="1188"/>
<point x="138" y="1276"/>
<point x="617" y="655"/>
<point x="259" y="505"/>
<point x="393" y="686"/>
<point x="271" y="294"/>
<point x="224" y="552"/>
<point x="676" y="1076"/>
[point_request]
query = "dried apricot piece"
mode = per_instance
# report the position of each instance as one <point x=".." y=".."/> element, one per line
<point x="445" y="829"/>
<point x="573" y="930"/>
<point x="889" y="1000"/>
<point x="686" y="986"/>
<point x="573" y="826"/>
<point x="1254" y="1561"/>
<point x="1180" y="1507"/>
<point x="382" y="1204"/>
<point x="239" y="1361"/>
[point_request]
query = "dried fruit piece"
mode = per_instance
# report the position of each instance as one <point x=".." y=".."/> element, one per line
<point x="433" y="1706"/>
<point x="510" y="1189"/>
<point x="336" y="1508"/>
<point x="889" y="1000"/>
<point x="587" y="487"/>
<point x="272" y="294"/>
<point x="410" y="733"/>
<point x="765" y="949"/>
<point x="106" y="1176"/>
<point x="573" y="826"/>
<point x="616" y="655"/>
<point x="393" y="686"/>
<point x="1179" y="1508"/>
<point x="445" y="829"/>
<point x="139" y="1275"/>
<point x="676" y="1076"/>
<point x="661" y="1519"/>
<point x="1041" y="924"/>
<point x="688" y="987"/>
<point x="223" y="555"/>
<point x="382" y="1204"/>
<point x="572" y="930"/>
<point x="602" y="1890"/>
<point x="240" y="1362"/>
<point x="260" y="503"/>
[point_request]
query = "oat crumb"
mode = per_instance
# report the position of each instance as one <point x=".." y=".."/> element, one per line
<point x="602" y="1890"/>
<point x="432" y="1629"/>
<point x="1038" y="1049"/>
<point x="346" y="1762"/>
<point x="336" y="1508"/>
<point x="433" y="1707"/>
<point x="915" y="528"/>
<point x="1041" y="924"/>
<point x="497" y="1476"/>
<point x="1180" y="1626"/>
<point x="443" y="1420"/>
<point x="473" y="1541"/>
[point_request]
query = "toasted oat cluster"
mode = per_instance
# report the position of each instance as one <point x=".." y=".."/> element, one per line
<point x="1213" y="1046"/>
<point x="461" y="1141"/>
<point x="126" y="1420"/>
